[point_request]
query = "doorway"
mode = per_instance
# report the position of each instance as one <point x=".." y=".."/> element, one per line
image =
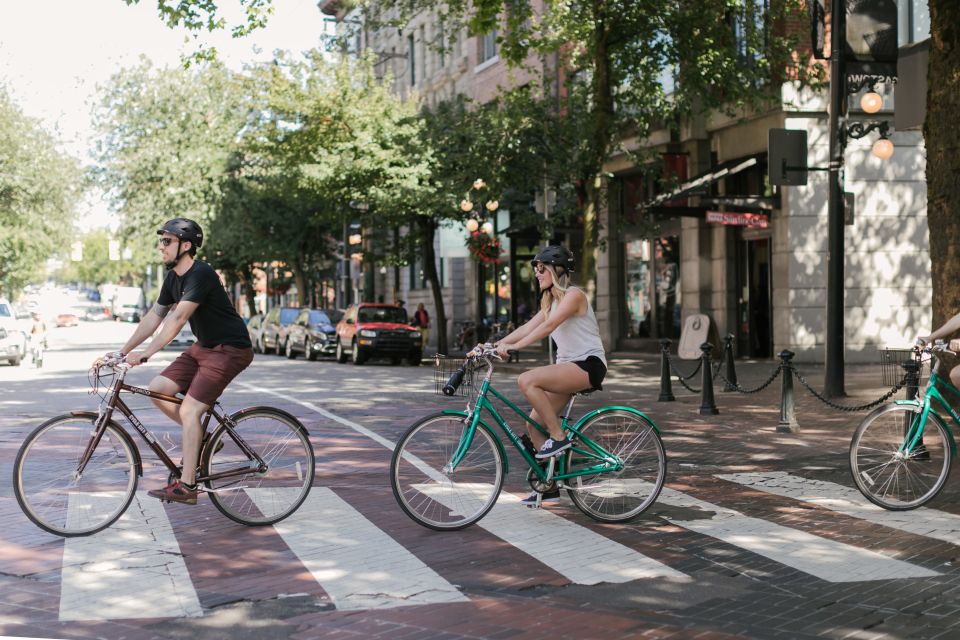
<point x="755" y="299"/>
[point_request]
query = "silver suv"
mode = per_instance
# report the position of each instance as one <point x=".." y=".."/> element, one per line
<point x="13" y="339"/>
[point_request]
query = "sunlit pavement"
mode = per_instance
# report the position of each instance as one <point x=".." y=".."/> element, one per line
<point x="758" y="534"/>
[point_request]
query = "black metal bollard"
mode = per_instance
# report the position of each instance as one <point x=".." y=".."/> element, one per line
<point x="730" y="372"/>
<point x="707" y="404"/>
<point x="912" y="378"/>
<point x="666" y="390"/>
<point x="788" y="418"/>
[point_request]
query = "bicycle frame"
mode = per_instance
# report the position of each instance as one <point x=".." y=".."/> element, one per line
<point x="115" y="403"/>
<point x="914" y="433"/>
<point x="606" y="461"/>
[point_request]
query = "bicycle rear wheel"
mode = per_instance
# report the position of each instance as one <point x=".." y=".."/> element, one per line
<point x="428" y="491"/>
<point x="890" y="477"/>
<point x="48" y="489"/>
<point x="259" y="496"/>
<point x="617" y="496"/>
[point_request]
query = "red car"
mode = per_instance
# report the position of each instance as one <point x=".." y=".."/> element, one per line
<point x="372" y="330"/>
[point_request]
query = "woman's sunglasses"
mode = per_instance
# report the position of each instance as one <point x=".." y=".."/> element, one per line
<point x="539" y="267"/>
<point x="166" y="242"/>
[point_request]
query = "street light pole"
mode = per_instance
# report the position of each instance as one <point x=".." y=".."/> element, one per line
<point x="833" y="343"/>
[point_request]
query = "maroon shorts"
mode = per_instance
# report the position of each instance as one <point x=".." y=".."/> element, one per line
<point x="204" y="373"/>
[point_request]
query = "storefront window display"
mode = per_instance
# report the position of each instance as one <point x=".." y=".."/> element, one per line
<point x="653" y="305"/>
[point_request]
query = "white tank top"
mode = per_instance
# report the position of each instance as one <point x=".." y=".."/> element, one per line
<point x="578" y="337"/>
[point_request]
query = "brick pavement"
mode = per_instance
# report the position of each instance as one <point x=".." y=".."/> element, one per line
<point x="250" y="586"/>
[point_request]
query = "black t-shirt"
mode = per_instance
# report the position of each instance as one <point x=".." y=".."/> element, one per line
<point x="215" y="321"/>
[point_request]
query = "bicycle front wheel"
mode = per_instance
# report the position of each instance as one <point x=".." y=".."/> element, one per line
<point x="888" y="475"/>
<point x="617" y="496"/>
<point x="259" y="496"/>
<point x="432" y="493"/>
<point x="58" y="499"/>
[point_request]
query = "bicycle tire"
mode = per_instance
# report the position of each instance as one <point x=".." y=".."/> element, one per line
<point x="45" y="485"/>
<point x="260" y="498"/>
<point x="618" y="496"/>
<point x="425" y="490"/>
<point x="885" y="476"/>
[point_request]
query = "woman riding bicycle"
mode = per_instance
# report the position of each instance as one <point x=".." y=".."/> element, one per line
<point x="949" y="328"/>
<point x="567" y="317"/>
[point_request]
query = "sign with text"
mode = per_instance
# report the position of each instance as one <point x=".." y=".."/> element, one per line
<point x="737" y="219"/>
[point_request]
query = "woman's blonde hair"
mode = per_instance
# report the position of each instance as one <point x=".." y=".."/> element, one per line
<point x="561" y="283"/>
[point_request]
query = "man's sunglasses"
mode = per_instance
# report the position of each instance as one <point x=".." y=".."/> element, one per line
<point x="166" y="242"/>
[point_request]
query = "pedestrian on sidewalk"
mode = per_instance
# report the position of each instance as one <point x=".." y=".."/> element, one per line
<point x="568" y="318"/>
<point x="421" y="320"/>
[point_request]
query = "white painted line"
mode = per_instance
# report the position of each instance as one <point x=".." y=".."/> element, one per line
<point x="132" y="569"/>
<point x="356" y="563"/>
<point x="575" y="552"/>
<point x="826" y="559"/>
<point x="922" y="521"/>
<point x="332" y="416"/>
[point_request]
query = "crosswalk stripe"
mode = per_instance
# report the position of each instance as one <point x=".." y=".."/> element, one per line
<point x="826" y="559"/>
<point x="922" y="521"/>
<point x="574" y="551"/>
<point x="133" y="569"/>
<point x="355" y="562"/>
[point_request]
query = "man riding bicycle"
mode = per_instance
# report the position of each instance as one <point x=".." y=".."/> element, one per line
<point x="192" y="292"/>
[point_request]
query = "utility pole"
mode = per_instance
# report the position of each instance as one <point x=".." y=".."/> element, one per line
<point x="833" y="344"/>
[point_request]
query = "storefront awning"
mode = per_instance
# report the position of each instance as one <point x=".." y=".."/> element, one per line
<point x="700" y="185"/>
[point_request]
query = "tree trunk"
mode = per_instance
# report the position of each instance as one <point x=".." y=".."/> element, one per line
<point x="300" y="278"/>
<point x="943" y="157"/>
<point x="599" y="146"/>
<point x="246" y="278"/>
<point x="428" y="229"/>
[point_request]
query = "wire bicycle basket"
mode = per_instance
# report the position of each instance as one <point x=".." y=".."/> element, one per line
<point x="443" y="368"/>
<point x="892" y="361"/>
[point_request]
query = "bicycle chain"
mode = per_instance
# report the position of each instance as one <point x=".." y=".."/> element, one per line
<point x="840" y="407"/>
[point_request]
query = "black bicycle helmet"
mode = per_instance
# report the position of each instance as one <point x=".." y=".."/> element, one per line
<point x="185" y="229"/>
<point x="557" y="256"/>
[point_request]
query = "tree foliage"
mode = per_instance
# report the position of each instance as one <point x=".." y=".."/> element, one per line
<point x="39" y="189"/>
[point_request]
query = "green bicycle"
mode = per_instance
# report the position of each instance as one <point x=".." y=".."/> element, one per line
<point x="448" y="468"/>
<point x="900" y="454"/>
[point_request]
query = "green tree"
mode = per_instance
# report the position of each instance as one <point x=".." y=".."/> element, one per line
<point x="39" y="190"/>
<point x="165" y="138"/>
<point x="943" y="161"/>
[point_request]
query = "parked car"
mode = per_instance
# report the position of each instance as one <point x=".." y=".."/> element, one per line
<point x="311" y="334"/>
<point x="185" y="338"/>
<point x="371" y="330"/>
<point x="15" y="340"/>
<point x="274" y="323"/>
<point x="254" y="327"/>
<point x="67" y="319"/>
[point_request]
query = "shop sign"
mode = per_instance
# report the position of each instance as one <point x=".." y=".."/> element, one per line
<point x="758" y="220"/>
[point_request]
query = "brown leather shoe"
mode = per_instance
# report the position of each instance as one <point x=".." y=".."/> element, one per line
<point x="175" y="492"/>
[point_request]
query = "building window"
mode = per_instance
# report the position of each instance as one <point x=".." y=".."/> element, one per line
<point x="913" y="21"/>
<point x="749" y="30"/>
<point x="488" y="46"/>
<point x="424" y="56"/>
<point x="411" y="62"/>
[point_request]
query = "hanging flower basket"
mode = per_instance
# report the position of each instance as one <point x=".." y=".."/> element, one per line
<point x="483" y="248"/>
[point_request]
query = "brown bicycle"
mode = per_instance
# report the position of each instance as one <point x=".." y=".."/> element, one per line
<point x="76" y="474"/>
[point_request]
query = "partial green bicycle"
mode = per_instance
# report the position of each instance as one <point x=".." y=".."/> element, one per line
<point x="448" y="469"/>
<point x="900" y="454"/>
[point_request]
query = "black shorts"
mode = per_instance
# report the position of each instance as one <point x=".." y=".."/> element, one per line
<point x="595" y="369"/>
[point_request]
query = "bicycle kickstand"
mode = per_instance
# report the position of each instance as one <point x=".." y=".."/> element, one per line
<point x="550" y="467"/>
